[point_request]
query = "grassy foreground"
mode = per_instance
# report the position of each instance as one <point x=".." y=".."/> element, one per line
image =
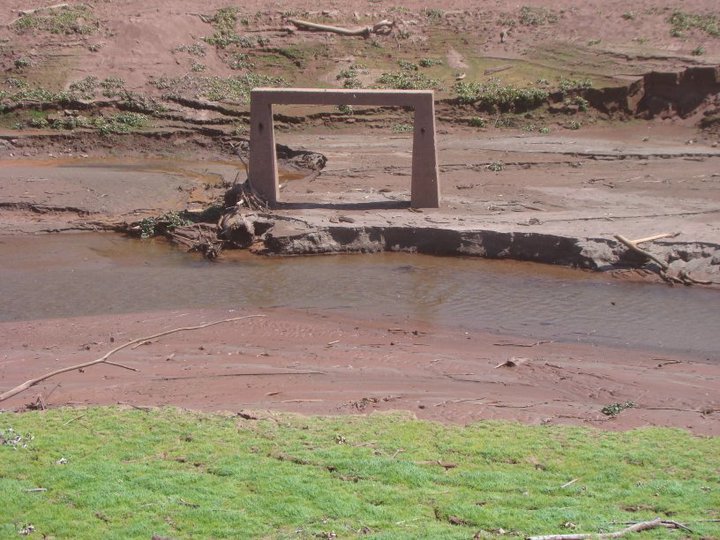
<point x="125" y="473"/>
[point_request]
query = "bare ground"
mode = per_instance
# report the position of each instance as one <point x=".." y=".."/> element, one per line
<point x="624" y="172"/>
<point x="314" y="363"/>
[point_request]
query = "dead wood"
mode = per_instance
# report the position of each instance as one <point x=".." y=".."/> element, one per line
<point x="199" y="237"/>
<point x="655" y="237"/>
<point x="636" y="527"/>
<point x="253" y="374"/>
<point x="508" y="344"/>
<point x="103" y="359"/>
<point x="683" y="277"/>
<point x="512" y="362"/>
<point x="383" y="27"/>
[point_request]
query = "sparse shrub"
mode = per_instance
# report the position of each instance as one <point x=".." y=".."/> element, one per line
<point x="402" y="128"/>
<point x="628" y="16"/>
<point x="152" y="226"/>
<point x="406" y="80"/>
<point x="698" y="51"/>
<point x="681" y="21"/>
<point x="75" y="19"/>
<point x="407" y="66"/>
<point x="494" y="96"/>
<point x="571" y="85"/>
<point x="346" y="109"/>
<point x="537" y="16"/>
<point x="476" y="121"/>
<point x="573" y="124"/>
<point x="85" y="88"/>
<point x="224" y="23"/>
<point x="429" y="62"/>
<point x="111" y="86"/>
<point x="495" y="166"/>
<point x="22" y="63"/>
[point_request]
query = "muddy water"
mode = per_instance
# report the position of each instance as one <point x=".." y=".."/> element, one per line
<point x="58" y="276"/>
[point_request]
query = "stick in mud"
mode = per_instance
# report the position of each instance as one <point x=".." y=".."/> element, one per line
<point x="103" y="359"/>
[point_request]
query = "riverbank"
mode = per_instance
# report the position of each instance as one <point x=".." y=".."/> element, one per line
<point x="315" y="362"/>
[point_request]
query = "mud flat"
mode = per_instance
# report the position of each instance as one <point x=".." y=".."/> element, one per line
<point x="321" y="363"/>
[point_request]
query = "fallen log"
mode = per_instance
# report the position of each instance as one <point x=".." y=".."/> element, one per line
<point x="383" y="27"/>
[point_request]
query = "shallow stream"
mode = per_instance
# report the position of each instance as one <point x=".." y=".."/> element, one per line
<point x="85" y="274"/>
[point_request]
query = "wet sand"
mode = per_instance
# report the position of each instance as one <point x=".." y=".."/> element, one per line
<point x="322" y="363"/>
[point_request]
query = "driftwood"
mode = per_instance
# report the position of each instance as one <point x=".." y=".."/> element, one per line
<point x="103" y="359"/>
<point x="683" y="277"/>
<point x="636" y="527"/>
<point x="200" y="237"/>
<point x="383" y="27"/>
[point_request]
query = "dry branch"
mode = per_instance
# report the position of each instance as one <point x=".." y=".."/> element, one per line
<point x="683" y="277"/>
<point x="383" y="27"/>
<point x="103" y="359"/>
<point x="637" y="527"/>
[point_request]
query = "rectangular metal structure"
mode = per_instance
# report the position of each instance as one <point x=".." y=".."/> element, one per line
<point x="425" y="182"/>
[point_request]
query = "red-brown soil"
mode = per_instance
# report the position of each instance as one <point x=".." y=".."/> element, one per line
<point x="638" y="177"/>
<point x="317" y="363"/>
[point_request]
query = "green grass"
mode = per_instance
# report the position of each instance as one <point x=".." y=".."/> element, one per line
<point x="229" y="89"/>
<point x="75" y="19"/>
<point x="407" y="80"/>
<point x="495" y="96"/>
<point x="681" y="21"/>
<point x="118" y="473"/>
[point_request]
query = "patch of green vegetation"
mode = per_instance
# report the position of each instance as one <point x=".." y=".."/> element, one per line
<point x="197" y="67"/>
<point x="224" y="24"/>
<point x="681" y="21"/>
<point x="430" y="62"/>
<point x="66" y="19"/>
<point x="698" y="51"/>
<point x="22" y="63"/>
<point x="346" y="110"/>
<point x="573" y="85"/>
<point x="124" y="122"/>
<point x="234" y="88"/>
<point x="19" y="90"/>
<point x="349" y="76"/>
<point x="196" y="49"/>
<point x="112" y="86"/>
<point x="112" y="473"/>
<point x="402" y="128"/>
<point x="616" y="408"/>
<point x="407" y="80"/>
<point x="240" y="61"/>
<point x="84" y="88"/>
<point x="573" y="124"/>
<point x="154" y="226"/>
<point x="628" y="16"/>
<point x="477" y="121"/>
<point x="407" y="66"/>
<point x="495" y="166"/>
<point x="577" y="101"/>
<point x="494" y="96"/>
<point x="537" y="16"/>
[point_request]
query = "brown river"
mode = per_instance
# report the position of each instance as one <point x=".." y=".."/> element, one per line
<point x="84" y="274"/>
